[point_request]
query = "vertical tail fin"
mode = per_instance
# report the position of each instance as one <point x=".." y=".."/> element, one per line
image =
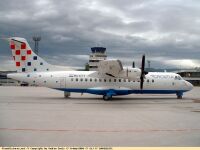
<point x="25" y="59"/>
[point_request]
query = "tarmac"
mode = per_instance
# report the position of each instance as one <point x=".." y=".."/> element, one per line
<point x="35" y="116"/>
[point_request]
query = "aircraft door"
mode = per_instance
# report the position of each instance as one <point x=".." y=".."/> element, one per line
<point x="62" y="82"/>
<point x="176" y="83"/>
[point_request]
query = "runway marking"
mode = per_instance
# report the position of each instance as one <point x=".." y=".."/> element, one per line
<point x="99" y="130"/>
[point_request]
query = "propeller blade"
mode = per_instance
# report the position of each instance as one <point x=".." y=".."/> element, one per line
<point x="141" y="82"/>
<point x="143" y="63"/>
<point x="142" y="72"/>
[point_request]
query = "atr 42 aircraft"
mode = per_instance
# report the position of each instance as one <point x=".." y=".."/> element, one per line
<point x="110" y="80"/>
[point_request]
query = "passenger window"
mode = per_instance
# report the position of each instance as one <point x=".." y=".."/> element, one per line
<point x="147" y="80"/>
<point x="104" y="80"/>
<point x="85" y="79"/>
<point x="119" y="80"/>
<point x="90" y="79"/>
<point x="124" y="80"/>
<point x="95" y="80"/>
<point x="115" y="80"/>
<point x="81" y="79"/>
<point x="129" y="80"/>
<point x="109" y="80"/>
<point x="77" y="79"/>
<point x="99" y="80"/>
<point x="152" y="80"/>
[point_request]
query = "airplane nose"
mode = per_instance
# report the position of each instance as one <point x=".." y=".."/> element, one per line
<point x="189" y="85"/>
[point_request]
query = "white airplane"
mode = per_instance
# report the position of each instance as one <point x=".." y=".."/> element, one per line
<point x="110" y="80"/>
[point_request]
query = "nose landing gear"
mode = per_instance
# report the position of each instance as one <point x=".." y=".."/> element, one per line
<point x="67" y="94"/>
<point x="179" y="95"/>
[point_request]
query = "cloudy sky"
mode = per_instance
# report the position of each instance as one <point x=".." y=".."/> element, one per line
<point x="167" y="31"/>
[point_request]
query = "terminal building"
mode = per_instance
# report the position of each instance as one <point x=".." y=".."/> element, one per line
<point x="4" y="81"/>
<point x="97" y="54"/>
<point x="193" y="76"/>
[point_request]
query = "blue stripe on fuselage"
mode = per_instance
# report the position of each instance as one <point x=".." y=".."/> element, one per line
<point x="121" y="92"/>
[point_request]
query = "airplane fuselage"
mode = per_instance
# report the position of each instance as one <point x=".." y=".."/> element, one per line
<point x="94" y="83"/>
<point x="111" y="79"/>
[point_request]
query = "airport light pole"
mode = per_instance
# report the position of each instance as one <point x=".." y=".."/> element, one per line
<point x="36" y="39"/>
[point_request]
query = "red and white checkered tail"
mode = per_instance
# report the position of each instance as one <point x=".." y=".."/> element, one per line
<point x="25" y="59"/>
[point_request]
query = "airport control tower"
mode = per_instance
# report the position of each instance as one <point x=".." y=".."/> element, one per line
<point x="98" y="54"/>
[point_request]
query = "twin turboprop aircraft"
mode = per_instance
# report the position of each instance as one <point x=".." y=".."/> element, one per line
<point x="110" y="80"/>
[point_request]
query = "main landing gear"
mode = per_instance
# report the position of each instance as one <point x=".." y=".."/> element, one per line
<point x="67" y="94"/>
<point x="107" y="97"/>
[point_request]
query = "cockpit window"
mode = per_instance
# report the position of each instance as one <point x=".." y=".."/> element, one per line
<point x="178" y="78"/>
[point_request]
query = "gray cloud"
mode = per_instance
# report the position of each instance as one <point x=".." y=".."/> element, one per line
<point x="128" y="28"/>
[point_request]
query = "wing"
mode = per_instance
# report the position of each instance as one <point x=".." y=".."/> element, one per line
<point x="110" y="67"/>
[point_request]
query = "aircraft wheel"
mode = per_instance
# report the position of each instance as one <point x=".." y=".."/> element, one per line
<point x="106" y="97"/>
<point x="179" y="96"/>
<point x="67" y="94"/>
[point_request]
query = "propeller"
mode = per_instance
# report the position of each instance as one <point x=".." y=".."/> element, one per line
<point x="127" y="72"/>
<point x="143" y="72"/>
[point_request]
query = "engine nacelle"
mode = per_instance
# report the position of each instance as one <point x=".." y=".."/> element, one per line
<point x="131" y="74"/>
